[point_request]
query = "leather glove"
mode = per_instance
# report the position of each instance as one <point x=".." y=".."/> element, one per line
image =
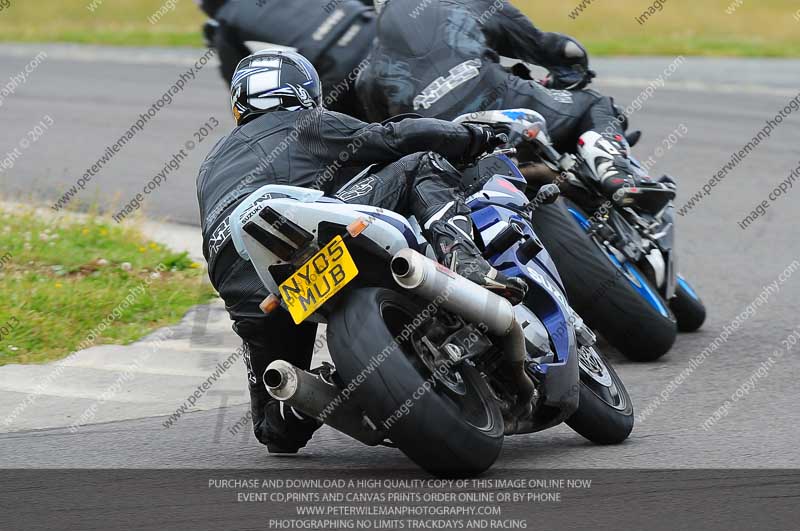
<point x="210" y="29"/>
<point x="496" y="136"/>
<point x="486" y="138"/>
<point x="573" y="77"/>
<point x="568" y="62"/>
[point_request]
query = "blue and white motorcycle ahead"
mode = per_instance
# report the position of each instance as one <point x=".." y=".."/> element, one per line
<point x="425" y="360"/>
<point x="617" y="259"/>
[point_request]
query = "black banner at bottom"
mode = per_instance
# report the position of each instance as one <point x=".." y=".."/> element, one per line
<point x="366" y="499"/>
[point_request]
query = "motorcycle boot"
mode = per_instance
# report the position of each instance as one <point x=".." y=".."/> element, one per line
<point x="619" y="179"/>
<point x="449" y="230"/>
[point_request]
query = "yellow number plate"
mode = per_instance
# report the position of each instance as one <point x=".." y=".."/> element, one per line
<point x="318" y="280"/>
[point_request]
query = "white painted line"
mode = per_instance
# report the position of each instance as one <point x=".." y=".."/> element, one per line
<point x="188" y="56"/>
<point x="697" y="86"/>
<point x="100" y="54"/>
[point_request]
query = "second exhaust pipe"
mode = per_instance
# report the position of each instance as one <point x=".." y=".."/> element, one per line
<point x="317" y="398"/>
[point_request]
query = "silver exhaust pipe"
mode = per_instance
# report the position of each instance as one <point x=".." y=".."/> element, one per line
<point x="431" y="281"/>
<point x="315" y="397"/>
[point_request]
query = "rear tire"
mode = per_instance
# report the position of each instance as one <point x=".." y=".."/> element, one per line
<point x="596" y="418"/>
<point x="599" y="291"/>
<point x="444" y="433"/>
<point x="689" y="311"/>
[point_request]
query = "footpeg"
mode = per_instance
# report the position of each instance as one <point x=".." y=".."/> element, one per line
<point x="584" y="334"/>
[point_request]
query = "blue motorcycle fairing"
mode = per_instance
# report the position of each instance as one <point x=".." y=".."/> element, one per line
<point x="402" y="226"/>
<point x="511" y="172"/>
<point x="689" y="289"/>
<point x="633" y="276"/>
<point x="498" y="189"/>
<point x="642" y="286"/>
<point x="547" y="300"/>
<point x="491" y="219"/>
<point x="580" y="218"/>
<point x="560" y="378"/>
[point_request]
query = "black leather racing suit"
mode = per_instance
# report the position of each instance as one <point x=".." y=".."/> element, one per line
<point x="335" y="36"/>
<point x="441" y="59"/>
<point x="323" y="150"/>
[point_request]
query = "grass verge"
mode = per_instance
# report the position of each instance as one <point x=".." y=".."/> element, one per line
<point x="607" y="27"/>
<point x="83" y="282"/>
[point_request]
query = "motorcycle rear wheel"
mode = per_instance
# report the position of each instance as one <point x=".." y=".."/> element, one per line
<point x="449" y="428"/>
<point x="599" y="291"/>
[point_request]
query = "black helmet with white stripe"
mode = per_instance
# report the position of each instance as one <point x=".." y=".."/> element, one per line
<point x="272" y="80"/>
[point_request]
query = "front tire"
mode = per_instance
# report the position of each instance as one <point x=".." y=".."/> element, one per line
<point x="444" y="432"/>
<point x="599" y="291"/>
<point x="688" y="308"/>
<point x="605" y="410"/>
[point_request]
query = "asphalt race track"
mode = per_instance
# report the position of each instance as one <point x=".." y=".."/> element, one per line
<point x="93" y="95"/>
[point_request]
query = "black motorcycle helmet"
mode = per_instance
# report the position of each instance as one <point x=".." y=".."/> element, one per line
<point x="271" y="80"/>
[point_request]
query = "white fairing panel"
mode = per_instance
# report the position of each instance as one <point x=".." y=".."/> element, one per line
<point x="387" y="229"/>
<point x="524" y="117"/>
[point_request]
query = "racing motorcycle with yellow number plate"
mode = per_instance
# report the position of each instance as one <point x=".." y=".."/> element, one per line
<point x="423" y="359"/>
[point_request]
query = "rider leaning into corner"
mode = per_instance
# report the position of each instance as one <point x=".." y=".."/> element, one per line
<point x="285" y="136"/>
<point x="442" y="60"/>
<point x="335" y="40"/>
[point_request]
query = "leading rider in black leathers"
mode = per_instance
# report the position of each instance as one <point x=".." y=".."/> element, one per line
<point x="284" y="136"/>
<point x="335" y="36"/>
<point x="440" y="58"/>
